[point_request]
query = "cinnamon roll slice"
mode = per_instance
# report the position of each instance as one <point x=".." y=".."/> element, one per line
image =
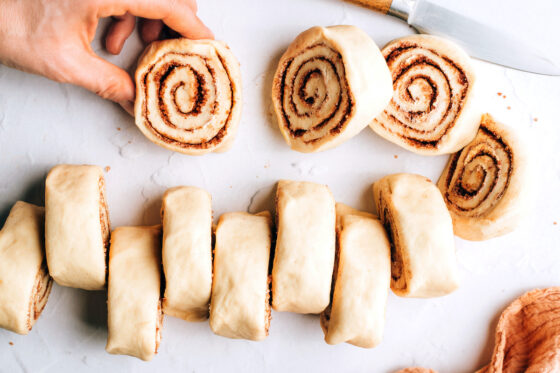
<point x="361" y="281"/>
<point x="134" y="309"/>
<point x="432" y="110"/>
<point x="329" y="85"/>
<point x="420" y="230"/>
<point x="188" y="95"/>
<point x="187" y="252"/>
<point x="240" y="306"/>
<point x="25" y="283"/>
<point x="486" y="184"/>
<point x="77" y="226"/>
<point x="305" y="247"/>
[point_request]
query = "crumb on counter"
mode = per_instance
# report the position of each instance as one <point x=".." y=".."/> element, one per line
<point x="499" y="93"/>
<point x="107" y="168"/>
<point x="504" y="96"/>
<point x="395" y="156"/>
<point x="555" y="223"/>
<point x="11" y="343"/>
<point x="535" y="119"/>
<point x="130" y="142"/>
<point x="509" y="107"/>
<point x="118" y="128"/>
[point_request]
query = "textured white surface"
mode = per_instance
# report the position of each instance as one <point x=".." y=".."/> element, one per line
<point x="44" y="123"/>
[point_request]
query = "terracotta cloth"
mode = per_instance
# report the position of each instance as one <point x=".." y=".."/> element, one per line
<point x="527" y="336"/>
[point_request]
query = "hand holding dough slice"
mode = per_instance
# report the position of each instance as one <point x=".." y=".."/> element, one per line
<point x="423" y="262"/>
<point x="432" y="110"/>
<point x="188" y="95"/>
<point x="486" y="185"/>
<point x="25" y="283"/>
<point x="329" y="85"/>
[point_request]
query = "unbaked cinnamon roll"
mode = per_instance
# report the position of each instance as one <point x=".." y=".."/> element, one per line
<point x="486" y="185"/>
<point x="420" y="230"/>
<point x="240" y="306"/>
<point x="432" y="107"/>
<point x="77" y="226"/>
<point x="329" y="85"/>
<point x="135" y="314"/>
<point x="25" y="283"/>
<point x="188" y="95"/>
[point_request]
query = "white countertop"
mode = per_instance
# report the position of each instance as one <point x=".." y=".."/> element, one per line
<point x="43" y="123"/>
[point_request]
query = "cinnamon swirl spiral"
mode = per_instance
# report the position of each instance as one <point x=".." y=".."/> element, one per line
<point x="188" y="95"/>
<point x="328" y="86"/>
<point x="485" y="185"/>
<point x="432" y="107"/>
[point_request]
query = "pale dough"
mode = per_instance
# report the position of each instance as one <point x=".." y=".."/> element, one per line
<point x="240" y="306"/>
<point x="76" y="226"/>
<point x="135" y="315"/>
<point x="187" y="252"/>
<point x="421" y="233"/>
<point x="305" y="247"/>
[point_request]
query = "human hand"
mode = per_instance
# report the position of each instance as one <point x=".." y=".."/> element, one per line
<point x="52" y="38"/>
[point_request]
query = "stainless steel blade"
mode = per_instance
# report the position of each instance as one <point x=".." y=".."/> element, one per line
<point x="479" y="40"/>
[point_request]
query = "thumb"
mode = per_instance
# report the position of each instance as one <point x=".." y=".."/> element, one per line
<point x="103" y="78"/>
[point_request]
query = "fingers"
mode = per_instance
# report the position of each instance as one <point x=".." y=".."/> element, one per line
<point x="179" y="15"/>
<point x="119" y="30"/>
<point x="103" y="78"/>
<point x="150" y="29"/>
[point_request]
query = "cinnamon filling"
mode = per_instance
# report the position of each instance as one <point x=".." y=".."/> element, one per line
<point x="159" y="324"/>
<point x="201" y="98"/>
<point x="398" y="277"/>
<point x="41" y="291"/>
<point x="430" y="91"/>
<point x="267" y="314"/>
<point x="479" y="175"/>
<point x="104" y="220"/>
<point x="305" y="95"/>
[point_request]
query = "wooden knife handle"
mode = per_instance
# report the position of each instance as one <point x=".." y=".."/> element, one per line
<point x="381" y="6"/>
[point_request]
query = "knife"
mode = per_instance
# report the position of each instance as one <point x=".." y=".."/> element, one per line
<point x="479" y="40"/>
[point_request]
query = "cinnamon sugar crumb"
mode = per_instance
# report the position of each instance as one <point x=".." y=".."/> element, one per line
<point x="555" y="223"/>
<point x="118" y="128"/>
<point x="11" y="343"/>
<point x="107" y="168"/>
<point x="509" y="107"/>
<point x="504" y="96"/>
<point x="535" y="119"/>
<point x="395" y="156"/>
<point x="499" y="93"/>
<point x="130" y="142"/>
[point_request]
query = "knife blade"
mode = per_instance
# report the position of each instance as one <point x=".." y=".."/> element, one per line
<point x="479" y="40"/>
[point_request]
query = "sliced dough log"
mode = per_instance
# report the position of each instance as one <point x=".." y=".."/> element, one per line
<point x="329" y="85"/>
<point x="25" y="283"/>
<point x="486" y="185"/>
<point x="420" y="229"/>
<point x="188" y="95"/>
<point x="77" y="226"/>
<point x="432" y="111"/>
<point x="240" y="306"/>
<point x="134" y="301"/>
<point x="187" y="252"/>
<point x="361" y="281"/>
<point x="305" y="247"/>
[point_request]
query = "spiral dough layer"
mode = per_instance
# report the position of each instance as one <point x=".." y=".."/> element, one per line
<point x="188" y="95"/>
<point x="483" y="184"/>
<point x="431" y="110"/>
<point x="326" y="89"/>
